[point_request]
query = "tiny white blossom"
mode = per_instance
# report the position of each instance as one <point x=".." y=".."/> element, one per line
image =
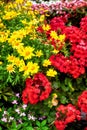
<point x="4" y="119"/>
<point x="17" y="110"/>
<point x="5" y="112"/>
<point x="20" y="121"/>
<point x="15" y="102"/>
<point x="23" y="114"/>
<point x="24" y="106"/>
<point x="11" y="118"/>
<point x="17" y="95"/>
<point x="30" y="117"/>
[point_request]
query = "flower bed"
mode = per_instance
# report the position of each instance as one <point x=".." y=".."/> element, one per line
<point x="43" y="66"/>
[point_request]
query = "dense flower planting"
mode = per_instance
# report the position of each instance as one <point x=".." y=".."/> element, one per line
<point x="43" y="65"/>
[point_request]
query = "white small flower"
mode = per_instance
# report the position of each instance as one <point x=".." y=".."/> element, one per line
<point x="31" y="117"/>
<point x="20" y="121"/>
<point x="17" y="110"/>
<point x="4" y="119"/>
<point x="24" y="106"/>
<point x="11" y="118"/>
<point x="15" y="102"/>
<point x="23" y="114"/>
<point x="5" y="113"/>
<point x="17" y="95"/>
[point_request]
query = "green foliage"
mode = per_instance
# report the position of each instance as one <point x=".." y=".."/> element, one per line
<point x="4" y="93"/>
<point x="42" y="125"/>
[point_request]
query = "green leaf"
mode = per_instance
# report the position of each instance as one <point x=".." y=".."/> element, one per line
<point x="29" y="128"/>
<point x="9" y="94"/>
<point x="14" y="129"/>
<point x="45" y="128"/>
<point x="19" y="126"/>
<point x="70" y="86"/>
<point x="38" y="123"/>
<point x="64" y="88"/>
<point x="13" y="126"/>
<point x="5" y="98"/>
<point x="55" y="85"/>
<point x="43" y="123"/>
<point x="0" y="91"/>
<point x="69" y="24"/>
<point x="63" y="100"/>
<point x="25" y="124"/>
<point x="39" y="129"/>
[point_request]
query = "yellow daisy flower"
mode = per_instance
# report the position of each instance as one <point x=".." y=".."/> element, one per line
<point x="54" y="35"/>
<point x="33" y="67"/>
<point x="28" y="52"/>
<point x="61" y="37"/>
<point x="46" y="27"/>
<point x="51" y="73"/>
<point x="11" y="58"/>
<point x="10" y="68"/>
<point x="39" y="53"/>
<point x="17" y="44"/>
<point x="18" y="62"/>
<point x="46" y="63"/>
<point x="55" y="51"/>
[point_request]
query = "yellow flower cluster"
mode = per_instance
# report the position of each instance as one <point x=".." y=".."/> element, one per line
<point x="2" y="26"/>
<point x="4" y="36"/>
<point x="23" y="60"/>
<point x="10" y="15"/>
<point x="26" y="52"/>
<point x="28" y="69"/>
<point x="46" y="27"/>
<point x="55" y="36"/>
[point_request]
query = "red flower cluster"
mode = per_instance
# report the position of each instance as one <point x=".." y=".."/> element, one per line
<point x="60" y="62"/>
<point x="83" y="24"/>
<point x="60" y="125"/>
<point x="73" y="34"/>
<point x="76" y="63"/>
<point x="58" y="23"/>
<point x="82" y="101"/>
<point x="69" y="65"/>
<point x="65" y="115"/>
<point x="37" y="89"/>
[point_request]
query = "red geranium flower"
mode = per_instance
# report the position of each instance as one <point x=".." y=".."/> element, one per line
<point x="82" y="101"/>
<point x="66" y="114"/>
<point x="60" y="125"/>
<point x="37" y="89"/>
